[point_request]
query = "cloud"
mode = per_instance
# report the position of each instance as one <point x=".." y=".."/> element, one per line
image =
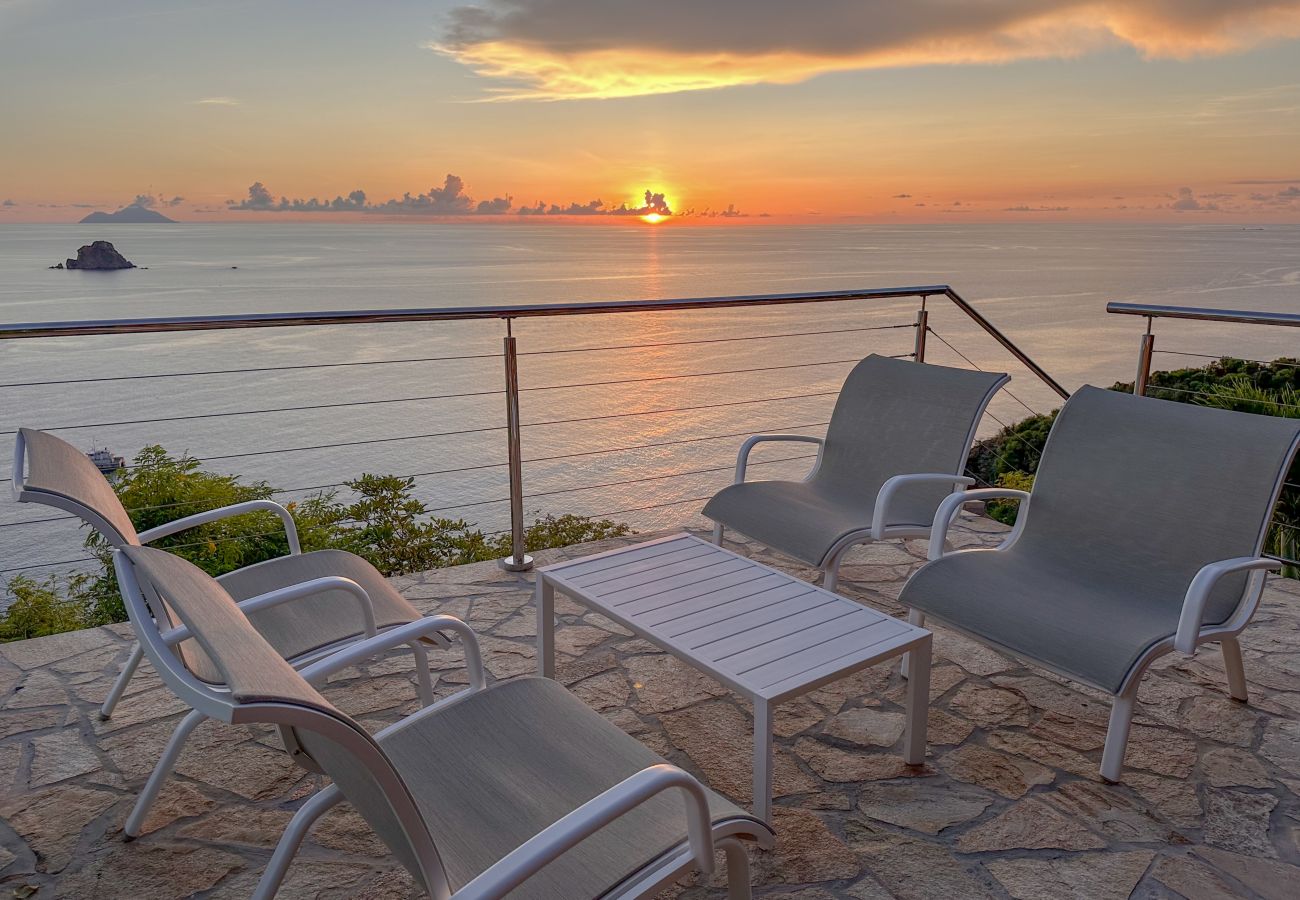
<point x="8" y="203"/>
<point x="449" y="200"/>
<point x="1033" y="209"/>
<point x="902" y="196"/>
<point x="148" y="201"/>
<point x="565" y="49"/>
<point x="1187" y="202"/>
<point x="654" y="203"/>
<point x="217" y="101"/>
<point x="495" y="207"/>
<point x="1291" y="193"/>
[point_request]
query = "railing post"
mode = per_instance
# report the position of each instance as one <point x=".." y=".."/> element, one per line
<point x="922" y="328"/>
<point x="1144" y="362"/>
<point x="518" y="560"/>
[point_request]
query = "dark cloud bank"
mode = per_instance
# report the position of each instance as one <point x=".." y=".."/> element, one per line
<point x="452" y="200"/>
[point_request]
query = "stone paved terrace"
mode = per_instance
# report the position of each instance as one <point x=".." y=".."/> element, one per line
<point x="1009" y="803"/>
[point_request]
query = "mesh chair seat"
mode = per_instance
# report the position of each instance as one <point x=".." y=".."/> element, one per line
<point x="58" y="471"/>
<point x="326" y="618"/>
<point x="798" y="518"/>
<point x="490" y="772"/>
<point x="892" y="417"/>
<point x="1095" y="633"/>
<point x="484" y="774"/>
<point x="1132" y="498"/>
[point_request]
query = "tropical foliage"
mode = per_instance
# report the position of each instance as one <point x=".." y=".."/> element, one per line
<point x="381" y="520"/>
<point x="1010" y="457"/>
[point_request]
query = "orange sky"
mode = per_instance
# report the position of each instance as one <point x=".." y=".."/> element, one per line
<point x="933" y="110"/>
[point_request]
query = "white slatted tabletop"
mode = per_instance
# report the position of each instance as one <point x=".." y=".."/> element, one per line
<point x="763" y="633"/>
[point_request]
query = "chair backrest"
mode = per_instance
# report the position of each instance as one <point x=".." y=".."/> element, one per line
<point x="261" y="687"/>
<point x="897" y="417"/>
<point x="1139" y="494"/>
<point x="59" y="475"/>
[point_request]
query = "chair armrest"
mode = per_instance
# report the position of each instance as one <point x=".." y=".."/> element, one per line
<point x="225" y="512"/>
<point x="947" y="511"/>
<point x="299" y="591"/>
<point x="532" y="855"/>
<point x="1198" y="594"/>
<point x="17" y="479"/>
<point x="403" y="634"/>
<point x="742" y="458"/>
<point x="891" y="487"/>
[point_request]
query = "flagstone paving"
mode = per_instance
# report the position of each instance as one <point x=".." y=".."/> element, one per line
<point x="1007" y="805"/>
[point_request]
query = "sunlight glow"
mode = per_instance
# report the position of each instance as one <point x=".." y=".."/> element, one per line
<point x="653" y="218"/>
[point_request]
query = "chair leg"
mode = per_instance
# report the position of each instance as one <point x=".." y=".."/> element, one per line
<point x="423" y="681"/>
<point x="291" y="840"/>
<point x="1236" y="671"/>
<point x="917" y="618"/>
<point x="717" y="533"/>
<point x="831" y="576"/>
<point x="119" y="686"/>
<point x="737" y="868"/>
<point x="160" y="772"/>
<point x="1121" y="719"/>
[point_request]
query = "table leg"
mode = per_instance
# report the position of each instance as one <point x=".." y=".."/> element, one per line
<point x="763" y="760"/>
<point x="544" y="595"/>
<point x="918" y="701"/>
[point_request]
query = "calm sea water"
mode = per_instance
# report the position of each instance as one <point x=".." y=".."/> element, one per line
<point x="1045" y="285"/>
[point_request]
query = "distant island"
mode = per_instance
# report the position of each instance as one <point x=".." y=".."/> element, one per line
<point x="132" y="215"/>
<point x="98" y="255"/>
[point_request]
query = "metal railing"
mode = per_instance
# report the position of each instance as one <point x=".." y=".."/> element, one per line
<point x="1151" y="312"/>
<point x="1142" y="386"/>
<point x="511" y="389"/>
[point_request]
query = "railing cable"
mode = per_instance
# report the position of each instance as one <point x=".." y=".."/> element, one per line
<point x="251" y="370"/>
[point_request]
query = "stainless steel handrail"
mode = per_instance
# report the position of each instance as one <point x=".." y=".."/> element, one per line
<point x="518" y="560"/>
<point x="1151" y="312"/>
<point x="1244" y="316"/>
<point x="441" y="314"/>
<point x="533" y="310"/>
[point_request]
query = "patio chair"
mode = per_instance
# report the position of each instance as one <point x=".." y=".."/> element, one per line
<point x="515" y="788"/>
<point x="896" y="445"/>
<point x="305" y="604"/>
<point x="1142" y="535"/>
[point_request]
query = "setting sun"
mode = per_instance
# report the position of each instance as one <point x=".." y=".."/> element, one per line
<point x="653" y="218"/>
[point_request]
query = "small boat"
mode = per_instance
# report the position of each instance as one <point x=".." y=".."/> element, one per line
<point x="105" y="461"/>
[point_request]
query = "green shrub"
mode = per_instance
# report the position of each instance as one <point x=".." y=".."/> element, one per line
<point x="1280" y="397"/>
<point x="384" y="523"/>
<point x="1015" y="448"/>
<point x="1005" y="511"/>
<point x="1010" y="457"/>
<point x="44" y="607"/>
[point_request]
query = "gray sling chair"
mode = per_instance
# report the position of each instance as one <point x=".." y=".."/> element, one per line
<point x="306" y="605"/>
<point x="896" y="445"/>
<point x="516" y="788"/>
<point x="1142" y="536"/>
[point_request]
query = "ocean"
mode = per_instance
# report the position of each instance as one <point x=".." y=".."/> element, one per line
<point x="611" y="429"/>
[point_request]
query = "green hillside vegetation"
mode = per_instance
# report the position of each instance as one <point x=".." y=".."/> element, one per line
<point x="381" y="521"/>
<point x="1010" y="457"/>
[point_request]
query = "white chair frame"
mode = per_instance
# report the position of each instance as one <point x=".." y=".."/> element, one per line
<point x="510" y="871"/>
<point x="298" y="592"/>
<point x="1190" y="634"/>
<point x="879" y="530"/>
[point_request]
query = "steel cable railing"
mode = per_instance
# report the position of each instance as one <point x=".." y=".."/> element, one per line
<point x="622" y="466"/>
<point x="1236" y="387"/>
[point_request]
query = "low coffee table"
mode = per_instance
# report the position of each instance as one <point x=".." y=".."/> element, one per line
<point x="765" y="634"/>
